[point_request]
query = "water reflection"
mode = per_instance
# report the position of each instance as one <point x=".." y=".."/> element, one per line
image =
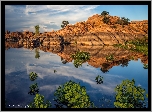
<point x="33" y="89"/>
<point x="37" y="55"/>
<point x="99" y="79"/>
<point x="122" y="67"/>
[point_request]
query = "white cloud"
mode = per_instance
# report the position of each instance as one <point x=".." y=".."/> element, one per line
<point x="85" y="75"/>
<point x="49" y="88"/>
<point x="34" y="8"/>
<point x="45" y="15"/>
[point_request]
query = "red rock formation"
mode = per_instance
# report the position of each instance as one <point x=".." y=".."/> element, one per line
<point x="93" y="32"/>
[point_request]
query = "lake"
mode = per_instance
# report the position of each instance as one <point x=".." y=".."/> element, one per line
<point x="20" y="62"/>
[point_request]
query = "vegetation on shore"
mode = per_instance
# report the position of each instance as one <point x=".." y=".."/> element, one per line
<point x="123" y="21"/>
<point x="138" y="45"/>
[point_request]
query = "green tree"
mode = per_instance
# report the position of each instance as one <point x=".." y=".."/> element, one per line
<point x="104" y="13"/>
<point x="64" y="24"/>
<point x="129" y="96"/>
<point x="37" y="53"/>
<point x="32" y="76"/>
<point x="33" y="89"/>
<point x="99" y="79"/>
<point x="123" y="21"/>
<point x="72" y="95"/>
<point x="145" y="66"/>
<point x="39" y="102"/>
<point x="37" y="29"/>
<point x="80" y="57"/>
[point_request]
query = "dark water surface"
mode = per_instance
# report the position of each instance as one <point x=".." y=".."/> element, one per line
<point x="19" y="62"/>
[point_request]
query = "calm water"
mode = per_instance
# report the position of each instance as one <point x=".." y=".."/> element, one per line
<point x="19" y="62"/>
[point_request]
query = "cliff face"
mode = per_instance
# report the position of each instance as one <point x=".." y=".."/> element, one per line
<point x="95" y="32"/>
<point x="91" y="32"/>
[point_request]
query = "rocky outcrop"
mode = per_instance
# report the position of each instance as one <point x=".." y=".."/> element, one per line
<point x="91" y="32"/>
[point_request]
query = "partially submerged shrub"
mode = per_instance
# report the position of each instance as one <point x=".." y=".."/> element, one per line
<point x="129" y="96"/>
<point x="39" y="102"/>
<point x="99" y="79"/>
<point x="80" y="57"/>
<point x="33" y="89"/>
<point x="32" y="76"/>
<point x="72" y="95"/>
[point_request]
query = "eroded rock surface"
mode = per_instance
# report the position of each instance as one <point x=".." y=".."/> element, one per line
<point x="91" y="32"/>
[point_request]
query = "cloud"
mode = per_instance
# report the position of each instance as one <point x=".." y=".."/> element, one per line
<point x="85" y="75"/>
<point x="49" y="88"/>
<point x="34" y="8"/>
<point x="8" y="71"/>
<point x="17" y="17"/>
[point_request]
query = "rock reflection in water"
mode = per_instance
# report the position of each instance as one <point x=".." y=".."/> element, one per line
<point x="98" y="54"/>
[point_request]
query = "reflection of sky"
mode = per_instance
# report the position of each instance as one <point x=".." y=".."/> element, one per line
<point x="20" y="62"/>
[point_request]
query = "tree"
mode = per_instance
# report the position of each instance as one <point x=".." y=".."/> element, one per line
<point x="32" y="76"/>
<point x="39" y="102"/>
<point x="37" y="55"/>
<point x="104" y="13"/>
<point x="72" y="95"/>
<point x="37" y="29"/>
<point x="64" y="24"/>
<point x="145" y="66"/>
<point x="129" y="96"/>
<point x="123" y="21"/>
<point x="80" y="57"/>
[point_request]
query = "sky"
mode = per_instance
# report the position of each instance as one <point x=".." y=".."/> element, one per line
<point x="50" y="17"/>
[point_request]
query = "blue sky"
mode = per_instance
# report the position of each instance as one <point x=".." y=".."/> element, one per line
<point x="50" y="17"/>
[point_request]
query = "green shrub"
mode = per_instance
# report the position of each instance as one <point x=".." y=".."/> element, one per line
<point x="110" y="57"/>
<point x="72" y="95"/>
<point x="99" y="79"/>
<point x="129" y="96"/>
<point x="32" y="76"/>
<point x="123" y="21"/>
<point x="39" y="102"/>
<point x="145" y="66"/>
<point x="37" y="29"/>
<point x="33" y="89"/>
<point x="104" y="13"/>
<point x="64" y="24"/>
<point x="80" y="57"/>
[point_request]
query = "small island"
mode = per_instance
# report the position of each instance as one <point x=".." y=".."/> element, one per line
<point x="97" y="30"/>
